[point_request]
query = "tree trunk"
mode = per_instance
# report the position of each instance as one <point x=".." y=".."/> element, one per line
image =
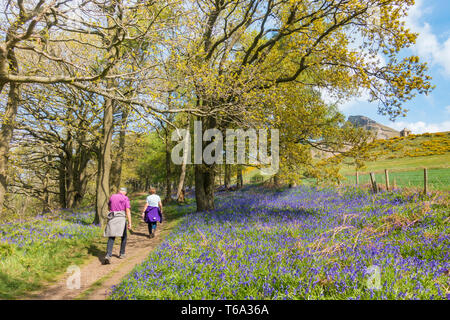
<point x="168" y="196"/>
<point x="239" y="179"/>
<point x="276" y="180"/>
<point x="46" y="207"/>
<point x="79" y="175"/>
<point x="81" y="188"/>
<point x="72" y="176"/>
<point x="205" y="176"/>
<point x="104" y="165"/>
<point x="204" y="187"/>
<point x="191" y="182"/>
<point x="104" y="151"/>
<point x="147" y="184"/>
<point x="6" y="133"/>
<point x="62" y="180"/>
<point x="227" y="178"/>
<point x="70" y="189"/>
<point x="181" y="182"/>
<point x="180" y="189"/>
<point x="116" y="170"/>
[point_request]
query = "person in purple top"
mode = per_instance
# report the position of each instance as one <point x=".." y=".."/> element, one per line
<point x="152" y="212"/>
<point x="119" y="213"/>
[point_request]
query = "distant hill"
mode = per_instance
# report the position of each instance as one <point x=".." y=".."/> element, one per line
<point x="404" y="157"/>
<point x="382" y="131"/>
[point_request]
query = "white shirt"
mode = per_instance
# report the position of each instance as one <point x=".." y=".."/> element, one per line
<point x="153" y="200"/>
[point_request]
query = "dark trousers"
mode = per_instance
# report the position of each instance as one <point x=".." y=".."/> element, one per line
<point x="151" y="227"/>
<point x="123" y="243"/>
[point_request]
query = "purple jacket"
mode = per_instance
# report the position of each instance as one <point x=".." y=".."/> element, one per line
<point x="152" y="214"/>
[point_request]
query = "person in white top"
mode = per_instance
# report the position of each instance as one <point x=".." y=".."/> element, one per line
<point x="152" y="212"/>
<point x="153" y="200"/>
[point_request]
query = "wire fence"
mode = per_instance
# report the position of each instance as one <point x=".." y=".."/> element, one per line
<point x="429" y="178"/>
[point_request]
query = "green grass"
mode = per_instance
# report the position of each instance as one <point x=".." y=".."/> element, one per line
<point x="28" y="272"/>
<point x="412" y="152"/>
<point x="172" y="212"/>
<point x="402" y="157"/>
<point x="136" y="211"/>
<point x="33" y="253"/>
<point x="438" y="179"/>
<point x="405" y="159"/>
<point x="436" y="161"/>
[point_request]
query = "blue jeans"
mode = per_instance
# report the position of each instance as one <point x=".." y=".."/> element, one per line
<point x="123" y="243"/>
<point x="151" y="227"/>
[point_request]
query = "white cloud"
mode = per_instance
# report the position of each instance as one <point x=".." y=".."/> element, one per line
<point x="420" y="127"/>
<point x="363" y="95"/>
<point x="447" y="109"/>
<point x="345" y="104"/>
<point x="427" y="44"/>
<point x="361" y="100"/>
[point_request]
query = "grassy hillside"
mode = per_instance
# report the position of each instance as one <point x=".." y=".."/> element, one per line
<point x="438" y="179"/>
<point x="405" y="158"/>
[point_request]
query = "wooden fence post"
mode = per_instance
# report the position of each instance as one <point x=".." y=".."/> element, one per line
<point x="386" y="175"/>
<point x="374" y="183"/>
<point x="357" y="177"/>
<point x="425" y="181"/>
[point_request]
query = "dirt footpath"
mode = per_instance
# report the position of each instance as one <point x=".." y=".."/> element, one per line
<point x="97" y="279"/>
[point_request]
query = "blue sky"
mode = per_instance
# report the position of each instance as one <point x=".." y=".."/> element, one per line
<point x="431" y="19"/>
